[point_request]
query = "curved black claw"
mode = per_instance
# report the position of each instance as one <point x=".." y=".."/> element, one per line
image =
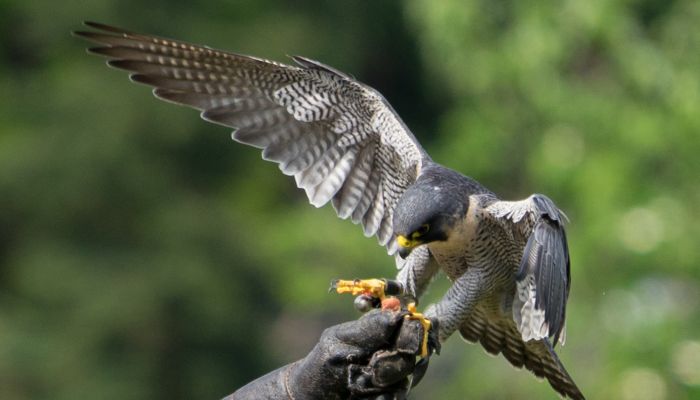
<point x="419" y="371"/>
<point x="434" y="345"/>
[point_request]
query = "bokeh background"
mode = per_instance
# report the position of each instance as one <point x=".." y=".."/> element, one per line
<point x="143" y="255"/>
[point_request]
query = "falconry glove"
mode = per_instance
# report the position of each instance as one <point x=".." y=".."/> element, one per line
<point x="373" y="357"/>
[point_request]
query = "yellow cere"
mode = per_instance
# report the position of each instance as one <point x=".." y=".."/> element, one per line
<point x="403" y="241"/>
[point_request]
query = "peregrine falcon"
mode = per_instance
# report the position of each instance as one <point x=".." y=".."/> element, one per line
<point x="344" y="144"/>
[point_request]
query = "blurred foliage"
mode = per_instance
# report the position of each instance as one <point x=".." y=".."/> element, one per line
<point x="144" y="255"/>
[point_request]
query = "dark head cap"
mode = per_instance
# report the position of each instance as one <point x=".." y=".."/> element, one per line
<point x="429" y="210"/>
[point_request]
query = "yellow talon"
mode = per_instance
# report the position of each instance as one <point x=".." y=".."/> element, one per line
<point x="425" y="322"/>
<point x="371" y="287"/>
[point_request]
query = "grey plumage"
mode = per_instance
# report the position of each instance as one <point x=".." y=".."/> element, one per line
<point x="340" y="139"/>
<point x="344" y="144"/>
<point x="417" y="271"/>
<point x="510" y="265"/>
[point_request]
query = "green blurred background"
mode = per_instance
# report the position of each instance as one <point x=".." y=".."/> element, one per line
<point x="144" y="255"/>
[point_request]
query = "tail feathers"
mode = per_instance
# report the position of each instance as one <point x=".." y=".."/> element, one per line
<point x="538" y="356"/>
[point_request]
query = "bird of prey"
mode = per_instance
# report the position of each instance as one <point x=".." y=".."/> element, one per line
<point x="343" y="143"/>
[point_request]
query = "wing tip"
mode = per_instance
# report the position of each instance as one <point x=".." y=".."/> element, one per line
<point x="81" y="33"/>
<point x="142" y="79"/>
<point x="126" y="65"/>
<point x="104" y="27"/>
<point x="317" y="202"/>
<point x="94" y="24"/>
<point x="102" y="30"/>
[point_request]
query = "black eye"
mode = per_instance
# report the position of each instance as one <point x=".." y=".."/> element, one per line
<point x="423" y="229"/>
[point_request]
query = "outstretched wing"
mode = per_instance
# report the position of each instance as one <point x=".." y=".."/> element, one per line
<point x="340" y="139"/>
<point x="543" y="279"/>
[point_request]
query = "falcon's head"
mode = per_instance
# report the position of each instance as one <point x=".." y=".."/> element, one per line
<point x="427" y="212"/>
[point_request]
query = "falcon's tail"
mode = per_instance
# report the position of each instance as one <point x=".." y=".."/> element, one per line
<point x="538" y="356"/>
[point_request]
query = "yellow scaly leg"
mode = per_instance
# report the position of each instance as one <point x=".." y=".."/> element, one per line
<point x="425" y="322"/>
<point x="370" y="287"/>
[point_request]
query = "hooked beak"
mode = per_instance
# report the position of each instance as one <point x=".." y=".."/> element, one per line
<point x="406" y="245"/>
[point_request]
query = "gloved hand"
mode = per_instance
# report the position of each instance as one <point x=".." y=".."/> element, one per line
<point x="370" y="358"/>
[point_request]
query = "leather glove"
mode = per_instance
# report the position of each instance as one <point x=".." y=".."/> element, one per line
<point x="370" y="358"/>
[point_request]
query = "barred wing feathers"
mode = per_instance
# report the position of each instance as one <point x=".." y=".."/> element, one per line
<point x="527" y="338"/>
<point x="543" y="278"/>
<point x="340" y="139"/>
